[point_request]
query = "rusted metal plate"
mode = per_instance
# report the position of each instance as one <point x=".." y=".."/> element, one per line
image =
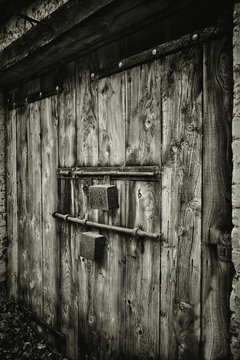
<point x="103" y="197"/>
<point x="92" y="246"/>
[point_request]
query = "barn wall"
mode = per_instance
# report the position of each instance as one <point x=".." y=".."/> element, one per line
<point x="3" y="241"/>
<point x="235" y="296"/>
<point x="160" y="105"/>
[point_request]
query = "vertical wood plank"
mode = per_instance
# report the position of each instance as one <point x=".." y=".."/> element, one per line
<point x="33" y="214"/>
<point x="22" y="230"/>
<point x="49" y="155"/>
<point x="142" y="286"/>
<point x="142" y="272"/>
<point x="109" y="302"/>
<point x="111" y="93"/>
<point x="87" y="155"/>
<point x="12" y="204"/>
<point x="143" y="126"/>
<point x="67" y="117"/>
<point x="181" y="204"/>
<point x="216" y="265"/>
<point x="67" y="158"/>
<point x="87" y="121"/>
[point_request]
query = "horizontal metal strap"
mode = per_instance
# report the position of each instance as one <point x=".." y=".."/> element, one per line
<point x="133" y="232"/>
<point x="163" y="49"/>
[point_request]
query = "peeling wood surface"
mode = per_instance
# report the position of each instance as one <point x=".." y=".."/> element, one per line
<point x="145" y="298"/>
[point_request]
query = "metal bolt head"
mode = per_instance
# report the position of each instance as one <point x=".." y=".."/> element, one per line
<point x="154" y="52"/>
<point x="92" y="75"/>
<point x="120" y="64"/>
<point x="195" y="37"/>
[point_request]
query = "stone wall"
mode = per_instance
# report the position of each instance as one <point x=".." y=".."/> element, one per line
<point x="235" y="296"/>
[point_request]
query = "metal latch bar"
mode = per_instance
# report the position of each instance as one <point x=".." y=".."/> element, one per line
<point x="129" y="231"/>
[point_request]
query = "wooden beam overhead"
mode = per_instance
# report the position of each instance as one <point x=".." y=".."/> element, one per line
<point x="83" y="25"/>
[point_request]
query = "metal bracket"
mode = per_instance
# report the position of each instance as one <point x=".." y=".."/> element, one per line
<point x="34" y="21"/>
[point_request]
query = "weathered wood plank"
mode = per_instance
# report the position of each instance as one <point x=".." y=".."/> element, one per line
<point x="87" y="121"/>
<point x="50" y="255"/>
<point x="22" y="230"/>
<point x="33" y="240"/>
<point x="143" y="133"/>
<point x="67" y="157"/>
<point x="112" y="108"/>
<point x="216" y="265"/>
<point x="12" y="204"/>
<point x="86" y="275"/>
<point x="142" y="282"/>
<point x="67" y="118"/>
<point x="108" y="304"/>
<point x="181" y="204"/>
<point x="87" y="154"/>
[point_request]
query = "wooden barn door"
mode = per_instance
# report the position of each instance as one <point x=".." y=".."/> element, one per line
<point x="162" y="299"/>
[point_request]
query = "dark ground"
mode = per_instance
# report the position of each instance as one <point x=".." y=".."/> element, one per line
<point x="17" y="340"/>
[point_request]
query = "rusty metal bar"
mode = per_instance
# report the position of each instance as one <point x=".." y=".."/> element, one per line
<point x="137" y="171"/>
<point x="112" y="173"/>
<point x="133" y="232"/>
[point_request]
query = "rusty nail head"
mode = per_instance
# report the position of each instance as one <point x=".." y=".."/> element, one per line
<point x="194" y="37"/>
<point x="120" y="64"/>
<point x="154" y="52"/>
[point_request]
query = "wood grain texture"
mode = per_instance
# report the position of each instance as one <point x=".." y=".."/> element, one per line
<point x="87" y="154"/>
<point x="86" y="275"/>
<point x="143" y="125"/>
<point x="142" y="282"/>
<point x="50" y="256"/>
<point x="67" y="118"/>
<point x="12" y="204"/>
<point x="111" y="112"/>
<point x="33" y="240"/>
<point x="216" y="269"/>
<point x="67" y="157"/>
<point x="109" y="302"/>
<point x="23" y="225"/>
<point x="181" y="204"/>
<point x="87" y="121"/>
